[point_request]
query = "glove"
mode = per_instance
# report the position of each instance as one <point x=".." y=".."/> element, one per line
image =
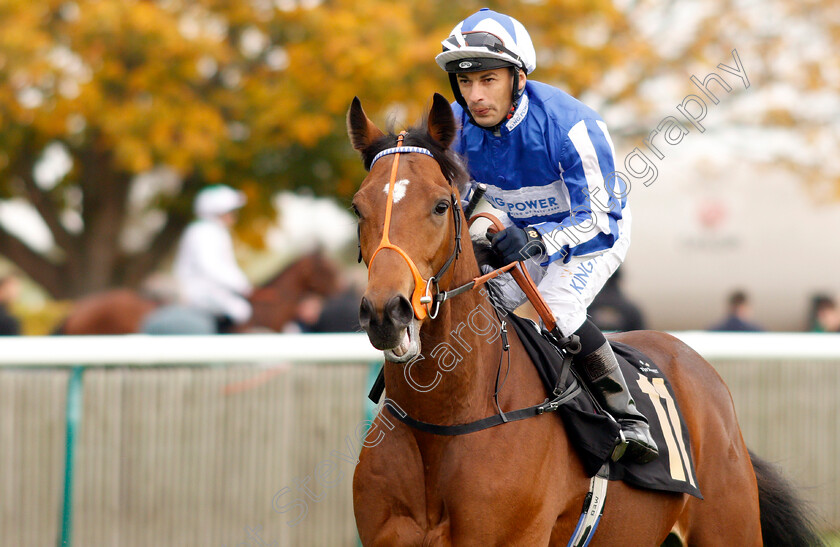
<point x="514" y="244"/>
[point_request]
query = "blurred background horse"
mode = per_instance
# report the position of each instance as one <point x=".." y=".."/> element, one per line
<point x="275" y="302"/>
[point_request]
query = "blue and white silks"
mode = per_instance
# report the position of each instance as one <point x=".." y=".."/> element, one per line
<point x="551" y="166"/>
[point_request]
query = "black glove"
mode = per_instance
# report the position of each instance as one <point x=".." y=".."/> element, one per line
<point x="514" y="244"/>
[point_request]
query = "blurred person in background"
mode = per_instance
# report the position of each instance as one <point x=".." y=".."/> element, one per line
<point x="612" y="311"/>
<point x="739" y="315"/>
<point x="341" y="310"/>
<point x="340" y="313"/>
<point x="307" y="313"/>
<point x="825" y="317"/>
<point x="9" y="292"/>
<point x="209" y="278"/>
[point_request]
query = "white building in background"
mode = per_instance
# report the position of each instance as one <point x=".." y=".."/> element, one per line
<point x="711" y="224"/>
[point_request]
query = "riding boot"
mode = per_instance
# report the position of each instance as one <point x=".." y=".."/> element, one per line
<point x="600" y="369"/>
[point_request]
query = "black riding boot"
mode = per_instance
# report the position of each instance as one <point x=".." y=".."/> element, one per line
<point x="599" y="367"/>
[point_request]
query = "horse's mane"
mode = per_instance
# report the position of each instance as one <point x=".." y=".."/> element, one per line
<point x="451" y="164"/>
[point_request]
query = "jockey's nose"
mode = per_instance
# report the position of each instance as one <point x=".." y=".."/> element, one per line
<point x="473" y="95"/>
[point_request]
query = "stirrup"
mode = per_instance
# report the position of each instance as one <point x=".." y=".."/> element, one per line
<point x="620" y="446"/>
<point x="640" y="450"/>
<point x="634" y="450"/>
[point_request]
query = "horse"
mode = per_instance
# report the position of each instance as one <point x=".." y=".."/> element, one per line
<point x="274" y="303"/>
<point x="519" y="483"/>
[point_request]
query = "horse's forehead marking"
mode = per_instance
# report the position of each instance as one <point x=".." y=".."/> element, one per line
<point x="399" y="189"/>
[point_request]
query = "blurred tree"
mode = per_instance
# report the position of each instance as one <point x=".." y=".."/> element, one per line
<point x="113" y="113"/>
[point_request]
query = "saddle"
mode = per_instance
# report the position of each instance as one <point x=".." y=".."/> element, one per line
<point x="593" y="433"/>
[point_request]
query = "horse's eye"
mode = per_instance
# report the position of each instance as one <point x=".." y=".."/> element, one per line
<point x="356" y="211"/>
<point x="441" y="207"/>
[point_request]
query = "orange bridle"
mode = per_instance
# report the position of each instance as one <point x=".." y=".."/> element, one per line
<point x="422" y="299"/>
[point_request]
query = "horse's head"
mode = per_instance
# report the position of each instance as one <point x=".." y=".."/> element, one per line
<point x="276" y="300"/>
<point x="409" y="217"/>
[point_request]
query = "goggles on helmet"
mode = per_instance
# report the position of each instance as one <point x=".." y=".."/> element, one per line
<point x="485" y="40"/>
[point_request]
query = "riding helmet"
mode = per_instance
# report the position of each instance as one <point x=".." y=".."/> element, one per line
<point x="484" y="41"/>
<point x="217" y="200"/>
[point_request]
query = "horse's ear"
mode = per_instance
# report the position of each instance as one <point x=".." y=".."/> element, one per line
<point x="441" y="121"/>
<point x="361" y="130"/>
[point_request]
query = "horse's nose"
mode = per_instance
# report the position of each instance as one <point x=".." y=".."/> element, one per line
<point x="398" y="309"/>
<point x="385" y="330"/>
<point x="365" y="313"/>
<point x="398" y="312"/>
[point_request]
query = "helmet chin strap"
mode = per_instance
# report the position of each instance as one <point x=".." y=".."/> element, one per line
<point x="515" y="95"/>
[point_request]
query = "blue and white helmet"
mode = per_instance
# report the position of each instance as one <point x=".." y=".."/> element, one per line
<point x="487" y="40"/>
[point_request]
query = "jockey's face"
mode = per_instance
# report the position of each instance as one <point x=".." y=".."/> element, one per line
<point x="488" y="94"/>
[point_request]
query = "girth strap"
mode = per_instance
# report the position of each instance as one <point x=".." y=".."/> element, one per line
<point x="561" y="395"/>
<point x="491" y="421"/>
<point x="593" y="508"/>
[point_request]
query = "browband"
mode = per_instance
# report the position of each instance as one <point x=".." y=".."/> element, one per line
<point x="400" y="150"/>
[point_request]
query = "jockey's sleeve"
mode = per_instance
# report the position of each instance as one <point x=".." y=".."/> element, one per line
<point x="587" y="168"/>
<point x="468" y="192"/>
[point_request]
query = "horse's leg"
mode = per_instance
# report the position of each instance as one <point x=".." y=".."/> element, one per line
<point x="637" y="517"/>
<point x="485" y="491"/>
<point x="729" y="512"/>
<point x="388" y="489"/>
<point x="397" y="531"/>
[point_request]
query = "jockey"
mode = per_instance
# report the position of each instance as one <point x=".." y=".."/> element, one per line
<point x="548" y="163"/>
<point x="208" y="276"/>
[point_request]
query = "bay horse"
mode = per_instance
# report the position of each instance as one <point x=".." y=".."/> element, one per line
<point x="121" y="311"/>
<point x="521" y="483"/>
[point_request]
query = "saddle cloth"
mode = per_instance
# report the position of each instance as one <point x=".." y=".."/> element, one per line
<point x="594" y="435"/>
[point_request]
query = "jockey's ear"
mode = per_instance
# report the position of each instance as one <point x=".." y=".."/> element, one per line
<point x="361" y="130"/>
<point x="441" y="121"/>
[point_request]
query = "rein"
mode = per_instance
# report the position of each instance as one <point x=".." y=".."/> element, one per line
<point x="560" y="395"/>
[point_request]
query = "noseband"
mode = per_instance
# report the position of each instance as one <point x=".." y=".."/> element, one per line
<point x="424" y="299"/>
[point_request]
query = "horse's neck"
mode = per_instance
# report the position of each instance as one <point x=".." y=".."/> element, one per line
<point x="454" y="378"/>
<point x="288" y="281"/>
